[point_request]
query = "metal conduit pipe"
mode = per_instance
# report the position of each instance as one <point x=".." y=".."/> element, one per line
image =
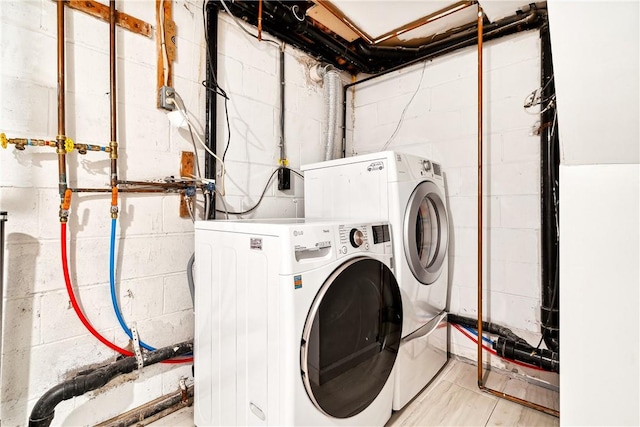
<point x="283" y="154"/>
<point x="61" y="136"/>
<point x="44" y="409"/>
<point x="479" y="325"/>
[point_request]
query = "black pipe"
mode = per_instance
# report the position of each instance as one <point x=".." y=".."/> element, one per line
<point x="44" y="409"/>
<point x="359" y="56"/>
<point x="211" y="108"/>
<point x="535" y="18"/>
<point x="487" y="326"/>
<point x="549" y="198"/>
<point x="543" y="358"/>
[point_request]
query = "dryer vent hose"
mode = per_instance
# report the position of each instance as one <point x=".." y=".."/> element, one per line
<point x="332" y="92"/>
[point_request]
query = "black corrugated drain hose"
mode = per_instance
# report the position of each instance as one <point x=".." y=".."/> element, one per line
<point x="44" y="409"/>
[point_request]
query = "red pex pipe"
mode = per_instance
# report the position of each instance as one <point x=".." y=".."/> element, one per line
<point x="492" y="351"/>
<point x="78" y="310"/>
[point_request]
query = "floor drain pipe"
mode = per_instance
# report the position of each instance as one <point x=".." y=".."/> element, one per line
<point x="481" y="385"/>
<point x="44" y="409"/>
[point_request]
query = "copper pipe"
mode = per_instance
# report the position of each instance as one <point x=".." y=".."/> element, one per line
<point x="178" y="184"/>
<point x="480" y="81"/>
<point x="522" y="402"/>
<point x="259" y="20"/>
<point x="113" y="154"/>
<point x="61" y="137"/>
<point x="124" y="190"/>
<point x="481" y="386"/>
<point x="426" y="20"/>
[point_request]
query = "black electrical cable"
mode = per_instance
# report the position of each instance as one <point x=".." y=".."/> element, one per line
<point x="217" y="88"/>
<point x="259" y="200"/>
<point x="44" y="409"/>
<point x="264" y="191"/>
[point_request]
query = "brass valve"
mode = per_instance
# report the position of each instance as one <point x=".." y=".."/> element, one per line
<point x="3" y="140"/>
<point x="68" y="145"/>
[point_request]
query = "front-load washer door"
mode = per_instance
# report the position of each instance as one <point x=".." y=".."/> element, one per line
<point x="351" y="337"/>
<point x="426" y="232"/>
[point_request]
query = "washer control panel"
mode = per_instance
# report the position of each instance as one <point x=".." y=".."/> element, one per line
<point x="356" y="237"/>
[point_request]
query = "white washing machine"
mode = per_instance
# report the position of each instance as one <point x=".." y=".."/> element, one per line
<point x="297" y="322"/>
<point x="409" y="192"/>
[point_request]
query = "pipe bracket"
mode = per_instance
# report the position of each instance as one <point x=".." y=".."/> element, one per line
<point x="136" y="346"/>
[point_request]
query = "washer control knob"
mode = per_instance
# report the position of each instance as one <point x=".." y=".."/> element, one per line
<point x="356" y="238"/>
<point x="426" y="165"/>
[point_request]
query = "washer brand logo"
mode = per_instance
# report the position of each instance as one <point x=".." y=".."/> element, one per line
<point x="256" y="243"/>
<point x="325" y="230"/>
<point x="375" y="166"/>
<point x="298" y="232"/>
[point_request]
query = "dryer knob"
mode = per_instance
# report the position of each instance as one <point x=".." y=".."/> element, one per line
<point x="356" y="238"/>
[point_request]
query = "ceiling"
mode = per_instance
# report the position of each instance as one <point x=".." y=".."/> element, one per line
<point x="374" y="35"/>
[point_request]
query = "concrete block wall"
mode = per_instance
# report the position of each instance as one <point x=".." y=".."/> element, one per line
<point x="440" y="123"/>
<point x="249" y="71"/>
<point x="44" y="343"/>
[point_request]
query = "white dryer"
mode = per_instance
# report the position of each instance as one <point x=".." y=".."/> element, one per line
<point x="409" y="192"/>
<point x="297" y="322"/>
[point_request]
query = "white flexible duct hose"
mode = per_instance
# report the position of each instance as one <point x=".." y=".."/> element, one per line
<point x="332" y="93"/>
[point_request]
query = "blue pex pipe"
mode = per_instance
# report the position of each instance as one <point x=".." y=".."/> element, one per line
<point x="474" y="332"/>
<point x="112" y="285"/>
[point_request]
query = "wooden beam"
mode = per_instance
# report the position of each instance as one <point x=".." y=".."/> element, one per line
<point x="100" y="11"/>
<point x="187" y="161"/>
<point x="166" y="15"/>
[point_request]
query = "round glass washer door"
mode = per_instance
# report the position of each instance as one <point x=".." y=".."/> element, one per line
<point x="426" y="232"/>
<point x="351" y="337"/>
